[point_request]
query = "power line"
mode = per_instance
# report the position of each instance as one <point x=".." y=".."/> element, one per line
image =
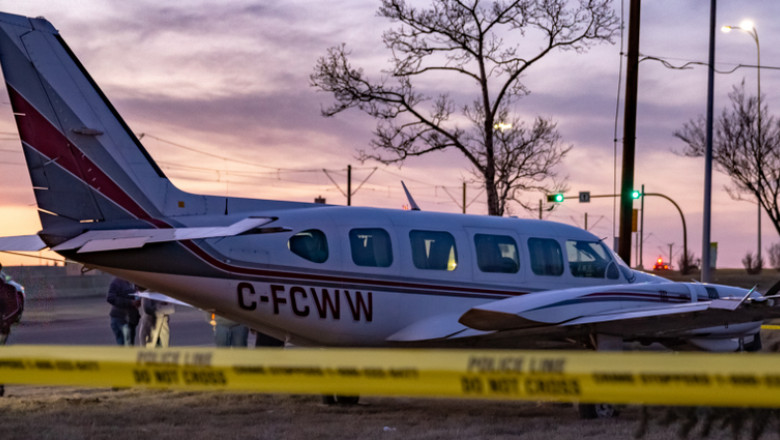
<point x="20" y="254"/>
<point x="274" y="170"/>
<point x="279" y="170"/>
<point x="689" y="63"/>
<point x="217" y="156"/>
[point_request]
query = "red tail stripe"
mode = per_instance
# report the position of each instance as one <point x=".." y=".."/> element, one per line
<point x="40" y="134"/>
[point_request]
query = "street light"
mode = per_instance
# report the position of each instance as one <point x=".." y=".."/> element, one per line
<point x="748" y="27"/>
<point x="502" y="126"/>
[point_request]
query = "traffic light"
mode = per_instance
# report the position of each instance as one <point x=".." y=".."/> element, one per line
<point x="557" y="198"/>
<point x="635" y="194"/>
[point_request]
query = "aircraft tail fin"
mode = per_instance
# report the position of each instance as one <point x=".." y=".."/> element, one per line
<point x="85" y="163"/>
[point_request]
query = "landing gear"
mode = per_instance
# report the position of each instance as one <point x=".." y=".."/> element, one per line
<point x="597" y="411"/>
<point x="601" y="342"/>
<point x="335" y="399"/>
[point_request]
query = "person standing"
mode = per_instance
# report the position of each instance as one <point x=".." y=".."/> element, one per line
<point x="124" y="310"/>
<point x="154" y="329"/>
<point x="161" y="333"/>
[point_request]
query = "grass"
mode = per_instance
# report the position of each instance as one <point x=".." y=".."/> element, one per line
<point x="72" y="413"/>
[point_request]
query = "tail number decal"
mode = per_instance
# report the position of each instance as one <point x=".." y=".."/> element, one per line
<point x="309" y="301"/>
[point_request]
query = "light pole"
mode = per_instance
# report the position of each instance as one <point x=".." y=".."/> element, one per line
<point x="706" y="270"/>
<point x="749" y="28"/>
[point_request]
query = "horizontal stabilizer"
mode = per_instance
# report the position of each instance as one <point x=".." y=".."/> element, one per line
<point x="22" y="243"/>
<point x="114" y="239"/>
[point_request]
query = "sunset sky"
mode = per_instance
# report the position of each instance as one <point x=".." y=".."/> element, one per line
<point x="221" y="92"/>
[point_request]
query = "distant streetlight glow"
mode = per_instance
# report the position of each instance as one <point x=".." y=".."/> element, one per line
<point x="502" y="126"/>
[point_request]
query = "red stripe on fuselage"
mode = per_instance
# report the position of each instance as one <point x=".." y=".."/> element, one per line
<point x="638" y="295"/>
<point x="300" y="275"/>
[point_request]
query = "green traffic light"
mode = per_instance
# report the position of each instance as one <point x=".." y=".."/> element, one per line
<point x="556" y="198"/>
<point x="635" y="194"/>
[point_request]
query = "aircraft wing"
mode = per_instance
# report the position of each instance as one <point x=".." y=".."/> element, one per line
<point x="444" y="326"/>
<point x="677" y="319"/>
<point x="105" y="240"/>
<point x="656" y="320"/>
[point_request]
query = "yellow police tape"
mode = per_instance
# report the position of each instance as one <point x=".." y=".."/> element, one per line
<point x="734" y="379"/>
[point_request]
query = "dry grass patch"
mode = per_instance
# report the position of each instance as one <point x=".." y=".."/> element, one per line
<point x="76" y="413"/>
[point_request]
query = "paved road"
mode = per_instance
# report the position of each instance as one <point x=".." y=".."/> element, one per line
<point x="84" y="321"/>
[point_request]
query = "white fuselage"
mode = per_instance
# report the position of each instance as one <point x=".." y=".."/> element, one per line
<point x="339" y="302"/>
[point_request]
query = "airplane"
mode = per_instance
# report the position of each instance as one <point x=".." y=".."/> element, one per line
<point x="326" y="275"/>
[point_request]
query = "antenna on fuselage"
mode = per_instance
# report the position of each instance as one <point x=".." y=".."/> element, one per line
<point x="412" y="203"/>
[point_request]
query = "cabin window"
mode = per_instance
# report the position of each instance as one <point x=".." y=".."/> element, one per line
<point x="496" y="253"/>
<point x="433" y="250"/>
<point x="590" y="259"/>
<point x="546" y="256"/>
<point x="309" y="244"/>
<point x="371" y="247"/>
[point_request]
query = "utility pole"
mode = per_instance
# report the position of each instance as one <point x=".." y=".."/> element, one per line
<point x="464" y="197"/>
<point x="706" y="270"/>
<point x="349" y="185"/>
<point x="642" y="226"/>
<point x="629" y="133"/>
<point x="348" y="193"/>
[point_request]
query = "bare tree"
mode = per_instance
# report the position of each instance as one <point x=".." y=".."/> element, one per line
<point x="753" y="264"/>
<point x="687" y="263"/>
<point x="483" y="44"/>
<point x="774" y="255"/>
<point x="752" y="163"/>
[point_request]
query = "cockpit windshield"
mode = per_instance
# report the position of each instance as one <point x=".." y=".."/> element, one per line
<point x="589" y="259"/>
<point x="593" y="259"/>
<point x="627" y="272"/>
